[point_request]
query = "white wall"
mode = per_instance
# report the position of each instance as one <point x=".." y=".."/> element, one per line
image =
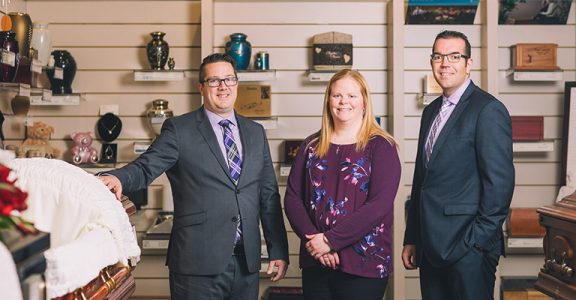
<point x="108" y="38"/>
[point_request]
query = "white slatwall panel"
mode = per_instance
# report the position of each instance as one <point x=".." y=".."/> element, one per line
<point x="287" y="37"/>
<point x="108" y="44"/>
<point x="108" y="40"/>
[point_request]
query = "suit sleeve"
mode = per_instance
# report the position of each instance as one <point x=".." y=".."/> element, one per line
<point x="270" y="209"/>
<point x="379" y="205"/>
<point x="295" y="196"/>
<point x="160" y="156"/>
<point x="496" y="170"/>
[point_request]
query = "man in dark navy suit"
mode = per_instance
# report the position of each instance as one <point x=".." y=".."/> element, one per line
<point x="463" y="182"/>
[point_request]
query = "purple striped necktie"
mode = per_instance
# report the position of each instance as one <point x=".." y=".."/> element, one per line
<point x="234" y="165"/>
<point x="434" y="130"/>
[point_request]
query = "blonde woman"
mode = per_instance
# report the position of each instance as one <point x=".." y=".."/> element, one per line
<point x="340" y="195"/>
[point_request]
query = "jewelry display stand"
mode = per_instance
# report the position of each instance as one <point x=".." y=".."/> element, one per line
<point x="109" y="128"/>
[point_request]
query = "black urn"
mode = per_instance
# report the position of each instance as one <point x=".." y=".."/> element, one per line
<point x="63" y="72"/>
<point x="157" y="51"/>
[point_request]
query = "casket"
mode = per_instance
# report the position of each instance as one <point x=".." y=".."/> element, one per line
<point x="556" y="277"/>
<point x="85" y="220"/>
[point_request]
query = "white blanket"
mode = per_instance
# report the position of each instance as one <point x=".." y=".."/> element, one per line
<point x="88" y="227"/>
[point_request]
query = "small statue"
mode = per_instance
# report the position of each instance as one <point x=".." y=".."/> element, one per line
<point x="83" y="152"/>
<point x="171" y="63"/>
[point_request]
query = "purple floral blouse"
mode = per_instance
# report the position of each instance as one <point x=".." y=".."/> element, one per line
<point x="349" y="196"/>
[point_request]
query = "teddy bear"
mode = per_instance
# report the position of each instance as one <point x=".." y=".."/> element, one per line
<point x="83" y="152"/>
<point x="36" y="143"/>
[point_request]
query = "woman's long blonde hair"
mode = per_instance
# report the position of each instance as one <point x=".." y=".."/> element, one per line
<point x="369" y="128"/>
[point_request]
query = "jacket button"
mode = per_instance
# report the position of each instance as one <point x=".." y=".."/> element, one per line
<point x="235" y="219"/>
<point x="237" y="191"/>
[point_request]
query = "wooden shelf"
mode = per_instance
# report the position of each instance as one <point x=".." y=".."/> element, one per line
<point x="159" y="75"/>
<point x="257" y="75"/>
<point x="551" y="75"/>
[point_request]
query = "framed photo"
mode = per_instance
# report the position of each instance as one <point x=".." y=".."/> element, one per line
<point x="441" y="12"/>
<point x="569" y="133"/>
<point x="534" y="11"/>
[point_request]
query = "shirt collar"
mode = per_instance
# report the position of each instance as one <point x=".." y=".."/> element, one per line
<point x="215" y="119"/>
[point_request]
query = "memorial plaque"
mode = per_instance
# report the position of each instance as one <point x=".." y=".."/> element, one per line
<point x="254" y="101"/>
<point x="527" y="128"/>
<point x="332" y="51"/>
<point x="534" y="57"/>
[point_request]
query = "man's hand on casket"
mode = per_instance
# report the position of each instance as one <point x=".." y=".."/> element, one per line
<point x="113" y="184"/>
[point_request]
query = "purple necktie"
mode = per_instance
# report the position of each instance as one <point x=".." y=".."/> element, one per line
<point x="434" y="130"/>
<point x="234" y="165"/>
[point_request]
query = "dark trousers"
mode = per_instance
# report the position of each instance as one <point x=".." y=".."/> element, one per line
<point x="470" y="278"/>
<point x="320" y="283"/>
<point x="235" y="283"/>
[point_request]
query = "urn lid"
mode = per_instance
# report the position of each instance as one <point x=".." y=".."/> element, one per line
<point x="238" y="35"/>
<point x="160" y="103"/>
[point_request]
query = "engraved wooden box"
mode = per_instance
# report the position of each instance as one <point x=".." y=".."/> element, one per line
<point x="534" y="57"/>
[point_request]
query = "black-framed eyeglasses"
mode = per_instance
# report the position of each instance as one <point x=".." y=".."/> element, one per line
<point x="451" y="57"/>
<point x="215" y="82"/>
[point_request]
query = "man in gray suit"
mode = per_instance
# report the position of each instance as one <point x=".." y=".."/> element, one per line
<point x="463" y="182"/>
<point x="223" y="185"/>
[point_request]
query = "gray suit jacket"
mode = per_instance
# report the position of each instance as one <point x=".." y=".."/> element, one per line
<point x="206" y="201"/>
<point x="461" y="199"/>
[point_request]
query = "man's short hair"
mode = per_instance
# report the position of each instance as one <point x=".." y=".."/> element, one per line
<point x="449" y="34"/>
<point x="214" y="58"/>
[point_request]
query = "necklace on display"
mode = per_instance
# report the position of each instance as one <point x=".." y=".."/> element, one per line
<point x="109" y="127"/>
<point x="110" y="130"/>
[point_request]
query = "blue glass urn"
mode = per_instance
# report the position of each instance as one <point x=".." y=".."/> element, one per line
<point x="240" y="49"/>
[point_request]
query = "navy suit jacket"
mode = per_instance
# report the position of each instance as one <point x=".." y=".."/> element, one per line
<point x="206" y="200"/>
<point x="461" y="198"/>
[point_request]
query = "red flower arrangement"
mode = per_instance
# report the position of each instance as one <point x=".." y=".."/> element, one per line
<point x="12" y="200"/>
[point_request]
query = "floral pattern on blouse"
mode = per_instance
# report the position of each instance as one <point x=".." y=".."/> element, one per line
<point x="355" y="173"/>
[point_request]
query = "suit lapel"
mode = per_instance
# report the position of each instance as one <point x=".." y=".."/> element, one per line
<point x="247" y="143"/>
<point x="205" y="128"/>
<point x="456" y="113"/>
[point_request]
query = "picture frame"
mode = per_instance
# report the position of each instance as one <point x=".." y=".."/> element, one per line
<point x="569" y="133"/>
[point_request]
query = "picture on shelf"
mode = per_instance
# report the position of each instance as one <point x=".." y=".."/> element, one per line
<point x="523" y="12"/>
<point x="441" y="12"/>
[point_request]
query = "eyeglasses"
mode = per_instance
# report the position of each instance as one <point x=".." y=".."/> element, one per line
<point x="451" y="57"/>
<point x="215" y="82"/>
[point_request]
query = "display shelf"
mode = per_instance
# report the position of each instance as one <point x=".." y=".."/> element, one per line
<point x="21" y="89"/>
<point x="45" y="97"/>
<point x="159" y="75"/>
<point x="533" y="146"/>
<point x="267" y="123"/>
<point x="524" y="245"/>
<point x="320" y="76"/>
<point x="285" y="170"/>
<point x="540" y="75"/>
<point x="141" y="147"/>
<point x="257" y="75"/>
<point x="426" y="98"/>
